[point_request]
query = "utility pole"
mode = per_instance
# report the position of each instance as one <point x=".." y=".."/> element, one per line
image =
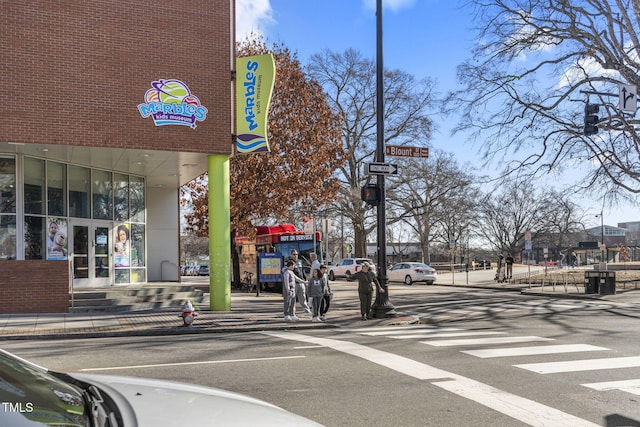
<point x="381" y="307"/>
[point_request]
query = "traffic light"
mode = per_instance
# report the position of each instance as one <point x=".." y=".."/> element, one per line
<point x="370" y="194"/>
<point x="590" y="119"/>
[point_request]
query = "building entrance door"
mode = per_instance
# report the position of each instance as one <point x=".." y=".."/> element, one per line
<point x="90" y="244"/>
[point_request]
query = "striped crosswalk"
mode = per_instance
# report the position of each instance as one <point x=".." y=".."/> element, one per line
<point x="490" y="306"/>
<point x="497" y="344"/>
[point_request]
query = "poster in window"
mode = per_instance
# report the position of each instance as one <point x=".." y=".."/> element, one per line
<point x="57" y="248"/>
<point x="122" y="247"/>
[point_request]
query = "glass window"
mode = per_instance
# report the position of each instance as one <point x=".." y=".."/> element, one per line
<point x="137" y="245"/>
<point x="136" y="191"/>
<point x="7" y="184"/>
<point x="56" y="189"/>
<point x="34" y="186"/>
<point x="121" y="196"/>
<point x="33" y="237"/>
<point x="102" y="195"/>
<point x="138" y="275"/>
<point x="122" y="276"/>
<point x="7" y="237"/>
<point x="79" y="186"/>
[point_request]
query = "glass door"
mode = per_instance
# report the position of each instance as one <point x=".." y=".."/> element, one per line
<point x="90" y="256"/>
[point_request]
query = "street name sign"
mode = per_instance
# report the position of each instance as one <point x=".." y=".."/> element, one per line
<point x="404" y="151"/>
<point x="382" y="169"/>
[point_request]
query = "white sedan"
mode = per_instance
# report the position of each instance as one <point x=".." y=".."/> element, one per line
<point x="409" y="272"/>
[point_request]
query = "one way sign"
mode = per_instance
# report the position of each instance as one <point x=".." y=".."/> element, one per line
<point x="382" y="169"/>
<point x="628" y="98"/>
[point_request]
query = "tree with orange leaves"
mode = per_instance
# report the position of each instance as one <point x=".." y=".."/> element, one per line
<point x="296" y="178"/>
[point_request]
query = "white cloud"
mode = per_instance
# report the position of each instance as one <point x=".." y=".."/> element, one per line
<point x="252" y="16"/>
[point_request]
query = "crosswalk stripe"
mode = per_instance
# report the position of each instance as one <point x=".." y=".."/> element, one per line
<point x="445" y="334"/>
<point x="582" y="365"/>
<point x="630" y="386"/>
<point x="528" y="351"/>
<point x="399" y="328"/>
<point x="482" y="341"/>
<point x="406" y="330"/>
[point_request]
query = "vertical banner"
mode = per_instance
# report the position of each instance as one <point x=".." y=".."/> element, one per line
<point x="255" y="77"/>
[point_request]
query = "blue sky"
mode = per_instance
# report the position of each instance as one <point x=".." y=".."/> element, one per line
<point x="426" y="38"/>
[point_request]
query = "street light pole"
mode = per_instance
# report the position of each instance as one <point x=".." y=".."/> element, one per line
<point x="602" y="245"/>
<point x="381" y="307"/>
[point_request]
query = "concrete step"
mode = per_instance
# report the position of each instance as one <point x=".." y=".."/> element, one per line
<point x="144" y="297"/>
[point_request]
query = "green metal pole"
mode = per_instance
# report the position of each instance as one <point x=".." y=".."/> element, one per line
<point x="219" y="233"/>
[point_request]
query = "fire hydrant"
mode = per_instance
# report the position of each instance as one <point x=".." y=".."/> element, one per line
<point x="188" y="314"/>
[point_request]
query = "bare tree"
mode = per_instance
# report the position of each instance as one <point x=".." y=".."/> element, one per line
<point x="349" y="81"/>
<point x="430" y="195"/>
<point x="516" y="207"/>
<point x="536" y="64"/>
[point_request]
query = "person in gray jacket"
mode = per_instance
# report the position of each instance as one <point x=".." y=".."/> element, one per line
<point x="301" y="283"/>
<point x="289" y="292"/>
<point x="316" y="287"/>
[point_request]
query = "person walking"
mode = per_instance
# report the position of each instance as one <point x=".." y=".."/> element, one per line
<point x="289" y="292"/>
<point x="301" y="284"/>
<point x="316" y="292"/>
<point x="509" y="262"/>
<point x="366" y="279"/>
<point x="328" y="294"/>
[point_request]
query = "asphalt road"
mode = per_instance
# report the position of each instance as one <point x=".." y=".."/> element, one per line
<point x="497" y="358"/>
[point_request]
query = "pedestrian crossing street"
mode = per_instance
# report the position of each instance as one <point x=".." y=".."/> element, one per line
<point x="472" y="341"/>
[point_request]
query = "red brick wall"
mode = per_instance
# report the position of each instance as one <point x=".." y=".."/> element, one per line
<point x="73" y="72"/>
<point x="34" y="287"/>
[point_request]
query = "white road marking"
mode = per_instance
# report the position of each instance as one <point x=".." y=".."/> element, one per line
<point x="582" y="365"/>
<point x="403" y="330"/>
<point x="445" y="335"/>
<point x="519" y="408"/>
<point x="483" y="341"/>
<point x="207" y="362"/>
<point x="527" y="351"/>
<point x="630" y="386"/>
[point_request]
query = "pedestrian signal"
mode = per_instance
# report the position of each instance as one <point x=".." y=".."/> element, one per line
<point x="370" y="194"/>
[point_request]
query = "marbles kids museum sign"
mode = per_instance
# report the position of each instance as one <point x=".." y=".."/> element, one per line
<point x="254" y="86"/>
<point x="170" y="102"/>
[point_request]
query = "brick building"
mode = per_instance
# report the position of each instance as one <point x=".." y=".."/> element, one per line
<point x="109" y="107"/>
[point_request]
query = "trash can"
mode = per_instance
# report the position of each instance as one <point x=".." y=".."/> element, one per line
<point x="600" y="282"/>
<point x="591" y="282"/>
<point x="607" y="283"/>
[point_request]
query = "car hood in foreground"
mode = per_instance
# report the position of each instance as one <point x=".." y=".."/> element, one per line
<point x="155" y="403"/>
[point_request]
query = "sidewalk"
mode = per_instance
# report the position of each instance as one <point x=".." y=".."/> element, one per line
<point x="248" y="313"/>
<point x="251" y="313"/>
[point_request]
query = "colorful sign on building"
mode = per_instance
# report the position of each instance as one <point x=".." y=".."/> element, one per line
<point x="254" y="86"/>
<point x="170" y="102"/>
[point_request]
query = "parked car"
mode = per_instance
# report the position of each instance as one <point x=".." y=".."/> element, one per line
<point x="34" y="396"/>
<point x="203" y="270"/>
<point x="348" y="266"/>
<point x="409" y="272"/>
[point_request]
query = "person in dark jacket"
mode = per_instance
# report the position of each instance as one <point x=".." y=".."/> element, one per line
<point x="366" y="279"/>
